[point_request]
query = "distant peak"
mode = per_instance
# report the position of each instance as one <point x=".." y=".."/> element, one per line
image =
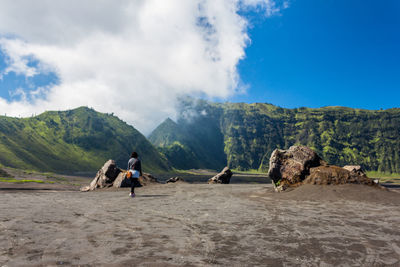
<point x="83" y="108"/>
<point x="169" y="121"/>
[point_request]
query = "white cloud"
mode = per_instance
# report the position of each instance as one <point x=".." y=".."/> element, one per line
<point x="19" y="92"/>
<point x="17" y="59"/>
<point x="133" y="58"/>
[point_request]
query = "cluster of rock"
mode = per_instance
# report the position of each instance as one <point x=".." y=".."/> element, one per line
<point x="224" y="177"/>
<point x="112" y="176"/>
<point x="301" y="165"/>
<point x="287" y="168"/>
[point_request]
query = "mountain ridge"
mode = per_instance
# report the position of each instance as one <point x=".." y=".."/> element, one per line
<point x="341" y="135"/>
<point x="80" y="139"/>
<point x="208" y="135"/>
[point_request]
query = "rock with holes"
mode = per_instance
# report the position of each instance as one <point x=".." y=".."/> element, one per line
<point x="112" y="176"/>
<point x="300" y="165"/>
<point x="290" y="167"/>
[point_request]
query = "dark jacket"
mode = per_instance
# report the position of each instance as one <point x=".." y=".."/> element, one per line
<point x="135" y="164"/>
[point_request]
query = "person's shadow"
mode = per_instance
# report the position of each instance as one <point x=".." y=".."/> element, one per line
<point x="152" y="195"/>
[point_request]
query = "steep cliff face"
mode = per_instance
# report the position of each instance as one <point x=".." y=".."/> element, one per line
<point x="250" y="132"/>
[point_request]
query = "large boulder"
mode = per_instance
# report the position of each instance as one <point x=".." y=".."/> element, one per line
<point x="224" y="177"/>
<point x="105" y="177"/>
<point x="122" y="181"/>
<point x="290" y="167"/>
<point x="300" y="165"/>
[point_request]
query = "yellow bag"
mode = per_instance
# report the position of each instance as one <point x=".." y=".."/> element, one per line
<point x="128" y="175"/>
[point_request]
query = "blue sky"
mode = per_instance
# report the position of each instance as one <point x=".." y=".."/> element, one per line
<point x="322" y="53"/>
<point x="12" y="80"/>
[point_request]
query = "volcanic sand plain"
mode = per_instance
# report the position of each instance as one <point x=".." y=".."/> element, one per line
<point x="196" y="224"/>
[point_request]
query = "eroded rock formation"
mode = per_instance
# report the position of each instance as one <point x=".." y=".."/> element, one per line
<point x="290" y="167"/>
<point x="300" y="164"/>
<point x="122" y="181"/>
<point x="355" y="169"/>
<point x="324" y="175"/>
<point x="147" y="179"/>
<point x="105" y="177"/>
<point x="112" y="176"/>
<point x="224" y="177"/>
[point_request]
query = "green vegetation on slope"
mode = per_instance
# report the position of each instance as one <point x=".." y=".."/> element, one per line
<point x="252" y="131"/>
<point x="71" y="141"/>
<point x="195" y="141"/>
<point x="340" y="135"/>
<point x="5" y="174"/>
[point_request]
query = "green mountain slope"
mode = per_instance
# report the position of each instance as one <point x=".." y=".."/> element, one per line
<point x="71" y="141"/>
<point x="252" y="131"/>
<point x="188" y="144"/>
<point x="167" y="133"/>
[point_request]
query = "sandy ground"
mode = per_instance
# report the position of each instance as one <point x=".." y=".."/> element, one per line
<point x="199" y="225"/>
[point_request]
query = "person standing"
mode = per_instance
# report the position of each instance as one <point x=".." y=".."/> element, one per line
<point x="135" y="167"/>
